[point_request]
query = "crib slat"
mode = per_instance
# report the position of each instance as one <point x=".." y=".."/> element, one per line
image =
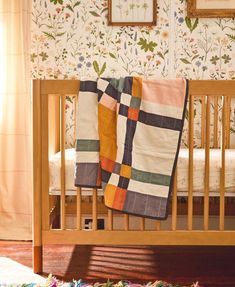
<point x="110" y="219"/>
<point x="75" y="115"/>
<point x="215" y="136"/>
<point x="79" y="213"/>
<point x="222" y="170"/>
<point x="190" y="169"/>
<point x="228" y="115"/>
<point x="203" y="121"/>
<point x="126" y="222"/>
<point x="158" y="225"/>
<point x="174" y="203"/>
<point x="142" y="223"/>
<point x="207" y="165"/>
<point x="62" y="170"/>
<point x="94" y="209"/>
<point x="45" y="163"/>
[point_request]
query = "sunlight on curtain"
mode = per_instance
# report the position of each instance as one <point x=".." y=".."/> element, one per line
<point x="15" y="125"/>
<point x="3" y="64"/>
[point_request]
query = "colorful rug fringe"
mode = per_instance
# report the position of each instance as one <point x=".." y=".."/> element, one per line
<point x="51" y="281"/>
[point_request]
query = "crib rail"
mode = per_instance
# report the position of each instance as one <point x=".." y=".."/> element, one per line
<point x="49" y="128"/>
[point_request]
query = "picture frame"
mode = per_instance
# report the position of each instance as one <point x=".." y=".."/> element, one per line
<point x="211" y="8"/>
<point x="132" y="12"/>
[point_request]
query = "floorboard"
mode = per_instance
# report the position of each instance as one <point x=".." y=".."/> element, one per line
<point x="211" y="266"/>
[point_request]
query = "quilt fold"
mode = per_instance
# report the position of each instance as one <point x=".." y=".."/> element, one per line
<point x="87" y="144"/>
<point x="140" y="125"/>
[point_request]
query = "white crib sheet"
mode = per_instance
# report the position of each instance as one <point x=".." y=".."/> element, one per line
<point x="182" y="174"/>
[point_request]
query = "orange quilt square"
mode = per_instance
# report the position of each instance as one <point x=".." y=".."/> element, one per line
<point x="119" y="199"/>
<point x="109" y="195"/>
<point x="133" y="114"/>
<point x="125" y="171"/>
<point x="107" y="164"/>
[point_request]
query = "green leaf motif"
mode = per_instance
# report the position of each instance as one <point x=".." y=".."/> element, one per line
<point x="96" y="67"/>
<point x="192" y="26"/>
<point x="102" y="69"/>
<point x="231" y="37"/>
<point x="196" y="56"/>
<point x="57" y="1"/>
<point x="33" y="57"/>
<point x="76" y="4"/>
<point x="160" y="55"/>
<point x="93" y="13"/>
<point x="185" y="61"/>
<point x="69" y="99"/>
<point x="195" y="24"/>
<point x="188" y="22"/>
<point x="226" y="58"/>
<point x="49" y="35"/>
<point x="214" y="60"/>
<point x="43" y="55"/>
<point x="69" y="7"/>
<point x="146" y="46"/>
<point x="60" y="34"/>
<point x="105" y="9"/>
<point x="112" y="55"/>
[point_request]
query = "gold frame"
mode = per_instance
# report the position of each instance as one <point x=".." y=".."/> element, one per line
<point x="193" y="11"/>
<point x="151" y="23"/>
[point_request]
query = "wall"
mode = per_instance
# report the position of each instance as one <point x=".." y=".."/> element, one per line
<point x="71" y="39"/>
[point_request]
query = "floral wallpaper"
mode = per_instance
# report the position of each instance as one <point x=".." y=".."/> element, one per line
<point x="205" y="48"/>
<point x="71" y="39"/>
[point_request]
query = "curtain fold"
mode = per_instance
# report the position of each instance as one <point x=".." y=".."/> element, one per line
<point x="15" y="121"/>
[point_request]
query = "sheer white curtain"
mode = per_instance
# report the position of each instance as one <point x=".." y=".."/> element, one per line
<point x="15" y="120"/>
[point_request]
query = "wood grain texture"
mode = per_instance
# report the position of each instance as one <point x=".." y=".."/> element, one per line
<point x="207" y="165"/>
<point x="193" y="11"/>
<point x="190" y="161"/>
<point x="211" y="87"/>
<point x="174" y="202"/>
<point x="216" y="117"/>
<point x="62" y="161"/>
<point x="45" y="161"/>
<point x="37" y="178"/>
<point x="222" y="170"/>
<point x="139" y="237"/>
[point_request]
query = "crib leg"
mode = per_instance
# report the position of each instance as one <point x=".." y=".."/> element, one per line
<point x="37" y="259"/>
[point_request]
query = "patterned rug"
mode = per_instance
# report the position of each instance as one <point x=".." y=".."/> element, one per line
<point x="51" y="281"/>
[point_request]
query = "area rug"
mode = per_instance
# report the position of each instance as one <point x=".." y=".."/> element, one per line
<point x="51" y="281"/>
<point x="12" y="273"/>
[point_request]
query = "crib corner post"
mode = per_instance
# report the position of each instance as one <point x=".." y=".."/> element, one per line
<point x="37" y="195"/>
<point x="37" y="259"/>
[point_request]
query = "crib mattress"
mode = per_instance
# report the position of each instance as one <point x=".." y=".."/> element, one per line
<point x="182" y="172"/>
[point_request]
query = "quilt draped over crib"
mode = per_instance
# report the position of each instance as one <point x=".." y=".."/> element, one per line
<point x="128" y="134"/>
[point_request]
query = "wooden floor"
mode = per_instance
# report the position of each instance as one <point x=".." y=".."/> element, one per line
<point x="211" y="266"/>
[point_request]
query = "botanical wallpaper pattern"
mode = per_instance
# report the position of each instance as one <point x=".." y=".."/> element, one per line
<point x="71" y="39"/>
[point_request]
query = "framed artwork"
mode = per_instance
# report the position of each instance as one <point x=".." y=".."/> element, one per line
<point x="132" y="12"/>
<point x="211" y="8"/>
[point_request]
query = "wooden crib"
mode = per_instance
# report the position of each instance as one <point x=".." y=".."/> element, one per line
<point x="49" y="137"/>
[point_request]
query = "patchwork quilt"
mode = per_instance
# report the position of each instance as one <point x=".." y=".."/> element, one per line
<point x="133" y="150"/>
